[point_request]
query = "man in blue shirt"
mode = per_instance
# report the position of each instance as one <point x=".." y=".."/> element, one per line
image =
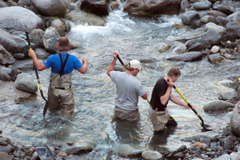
<point x="60" y="92"/>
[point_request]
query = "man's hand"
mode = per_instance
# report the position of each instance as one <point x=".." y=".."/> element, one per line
<point x="115" y="54"/>
<point x="170" y="83"/>
<point x="84" y="60"/>
<point x="31" y="53"/>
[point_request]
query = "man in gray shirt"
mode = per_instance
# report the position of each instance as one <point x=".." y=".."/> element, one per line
<point x="128" y="90"/>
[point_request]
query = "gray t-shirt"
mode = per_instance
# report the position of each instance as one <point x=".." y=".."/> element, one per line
<point x="128" y="90"/>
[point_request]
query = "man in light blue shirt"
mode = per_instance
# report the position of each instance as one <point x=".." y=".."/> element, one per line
<point x="129" y="88"/>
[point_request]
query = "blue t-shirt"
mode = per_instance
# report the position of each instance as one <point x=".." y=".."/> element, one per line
<point x="54" y="62"/>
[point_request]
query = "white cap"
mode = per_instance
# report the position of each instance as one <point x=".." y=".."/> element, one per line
<point x="135" y="64"/>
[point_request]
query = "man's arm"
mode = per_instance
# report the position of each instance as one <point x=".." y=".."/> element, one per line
<point x="145" y="96"/>
<point x="175" y="100"/>
<point x="40" y="66"/>
<point x="112" y="64"/>
<point x="164" y="99"/>
<point x="84" y="68"/>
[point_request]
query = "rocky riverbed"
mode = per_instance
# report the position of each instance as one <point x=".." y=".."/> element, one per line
<point x="213" y="34"/>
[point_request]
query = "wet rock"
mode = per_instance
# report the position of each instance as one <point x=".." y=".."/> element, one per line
<point x="50" y="7"/>
<point x="206" y="140"/>
<point x="217" y="105"/>
<point x="25" y="82"/>
<point x="212" y="37"/>
<point x="146" y="8"/>
<point x="187" y="57"/>
<point x="227" y="95"/>
<point x="215" y="58"/>
<point x="77" y="150"/>
<point x="151" y="155"/>
<point x="163" y="47"/>
<point x="12" y="43"/>
<point x="98" y="7"/>
<point x="89" y="18"/>
<point x="232" y="30"/>
<point x="235" y="119"/>
<point x="197" y="44"/>
<point x="215" y="49"/>
<point x="4" y="141"/>
<point x="223" y="8"/>
<point x="5" y="74"/>
<point x="205" y="5"/>
<point x="8" y="149"/>
<point x="180" y="48"/>
<point x="5" y="156"/>
<point x="227" y="143"/>
<point x="216" y="28"/>
<point x="5" y="57"/>
<point x="184" y="5"/>
<point x="189" y="17"/>
<point x="189" y="35"/>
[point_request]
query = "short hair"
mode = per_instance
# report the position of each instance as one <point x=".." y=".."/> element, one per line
<point x="174" y="72"/>
<point x="129" y="68"/>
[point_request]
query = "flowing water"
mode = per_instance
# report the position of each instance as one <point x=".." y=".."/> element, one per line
<point x="133" y="38"/>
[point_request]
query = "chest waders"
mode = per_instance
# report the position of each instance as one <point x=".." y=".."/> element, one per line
<point x="60" y="93"/>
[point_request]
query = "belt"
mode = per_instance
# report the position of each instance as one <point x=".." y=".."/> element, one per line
<point x="62" y="88"/>
<point x="157" y="109"/>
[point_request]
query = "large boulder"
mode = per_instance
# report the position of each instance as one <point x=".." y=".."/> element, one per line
<point x="146" y="8"/>
<point x="50" y="37"/>
<point x="19" y="18"/>
<point x="11" y="43"/>
<point x="50" y="7"/>
<point x="5" y="57"/>
<point x="25" y="82"/>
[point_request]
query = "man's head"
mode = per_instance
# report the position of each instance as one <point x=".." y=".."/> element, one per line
<point x="174" y="73"/>
<point x="134" y="66"/>
<point x="63" y="44"/>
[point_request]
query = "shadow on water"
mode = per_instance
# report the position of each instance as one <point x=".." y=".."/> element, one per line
<point x="160" y="138"/>
<point x="127" y="131"/>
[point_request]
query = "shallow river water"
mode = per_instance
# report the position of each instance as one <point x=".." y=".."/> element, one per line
<point x="133" y="38"/>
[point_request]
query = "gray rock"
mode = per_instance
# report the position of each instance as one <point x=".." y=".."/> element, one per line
<point x="80" y="16"/>
<point x="215" y="58"/>
<point x="50" y="37"/>
<point x="198" y="44"/>
<point x="50" y="7"/>
<point x="8" y="149"/>
<point x="205" y="5"/>
<point x="189" y="17"/>
<point x="97" y="7"/>
<point x="217" y="105"/>
<point x="12" y="43"/>
<point x="25" y="82"/>
<point x="5" y="156"/>
<point x="235" y="119"/>
<point x="151" y="155"/>
<point x="187" y="57"/>
<point x="232" y="30"/>
<point x="212" y="37"/>
<point x="19" y="18"/>
<point x="5" y="57"/>
<point x="216" y="28"/>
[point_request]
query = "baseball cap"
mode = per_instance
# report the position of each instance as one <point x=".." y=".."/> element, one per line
<point x="135" y="64"/>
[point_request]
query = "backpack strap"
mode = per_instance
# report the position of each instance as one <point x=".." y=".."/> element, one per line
<point x="62" y="64"/>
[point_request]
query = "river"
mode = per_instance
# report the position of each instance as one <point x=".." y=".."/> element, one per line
<point x="133" y="38"/>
